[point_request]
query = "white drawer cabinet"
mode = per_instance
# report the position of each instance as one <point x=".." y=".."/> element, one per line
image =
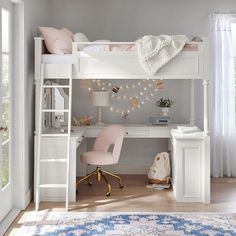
<point x="190" y="167"/>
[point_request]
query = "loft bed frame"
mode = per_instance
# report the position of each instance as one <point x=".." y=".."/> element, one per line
<point x="190" y="64"/>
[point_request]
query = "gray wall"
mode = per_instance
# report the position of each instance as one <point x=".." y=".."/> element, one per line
<point x="126" y="20"/>
<point x="178" y="91"/>
<point x="36" y="14"/>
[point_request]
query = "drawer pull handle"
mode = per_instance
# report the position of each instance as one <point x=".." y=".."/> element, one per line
<point x="126" y="132"/>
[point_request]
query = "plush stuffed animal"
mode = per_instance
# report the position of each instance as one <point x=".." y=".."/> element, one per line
<point x="159" y="172"/>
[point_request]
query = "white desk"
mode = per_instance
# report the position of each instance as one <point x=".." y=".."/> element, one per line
<point x="190" y="160"/>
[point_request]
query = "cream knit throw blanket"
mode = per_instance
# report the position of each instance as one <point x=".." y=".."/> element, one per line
<point x="155" y="51"/>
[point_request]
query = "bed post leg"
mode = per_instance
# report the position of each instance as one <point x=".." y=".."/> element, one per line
<point x="205" y="107"/>
<point x="192" y="103"/>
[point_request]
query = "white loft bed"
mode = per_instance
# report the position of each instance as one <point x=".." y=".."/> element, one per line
<point x="190" y="152"/>
<point x="191" y="64"/>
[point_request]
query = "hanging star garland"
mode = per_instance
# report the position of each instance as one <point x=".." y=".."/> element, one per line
<point x="146" y="89"/>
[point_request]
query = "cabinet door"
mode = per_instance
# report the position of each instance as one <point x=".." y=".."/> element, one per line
<point x="190" y="170"/>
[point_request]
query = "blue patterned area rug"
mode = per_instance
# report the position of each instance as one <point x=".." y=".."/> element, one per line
<point x="128" y="224"/>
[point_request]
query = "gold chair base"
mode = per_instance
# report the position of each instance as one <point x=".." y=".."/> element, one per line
<point x="99" y="172"/>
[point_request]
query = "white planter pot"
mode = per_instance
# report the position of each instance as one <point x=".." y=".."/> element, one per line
<point x="164" y="111"/>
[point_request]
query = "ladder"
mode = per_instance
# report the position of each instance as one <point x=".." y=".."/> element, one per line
<point x="66" y="74"/>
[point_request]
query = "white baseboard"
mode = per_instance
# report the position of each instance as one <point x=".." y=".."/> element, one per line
<point x="8" y="220"/>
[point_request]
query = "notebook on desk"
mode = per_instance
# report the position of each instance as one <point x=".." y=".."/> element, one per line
<point x="186" y="129"/>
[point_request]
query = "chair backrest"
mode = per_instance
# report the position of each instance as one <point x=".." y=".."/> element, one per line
<point x="110" y="135"/>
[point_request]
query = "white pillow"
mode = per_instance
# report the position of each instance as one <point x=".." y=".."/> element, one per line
<point x="80" y="37"/>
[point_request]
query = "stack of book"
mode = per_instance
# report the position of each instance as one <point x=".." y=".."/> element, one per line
<point x="186" y="129"/>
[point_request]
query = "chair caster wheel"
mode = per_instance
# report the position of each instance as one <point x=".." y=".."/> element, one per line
<point x="108" y="194"/>
<point x="122" y="186"/>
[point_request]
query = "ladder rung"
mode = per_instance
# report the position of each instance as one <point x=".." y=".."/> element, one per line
<point x="56" y="86"/>
<point x="54" y="135"/>
<point x="54" y="160"/>
<point x="52" y="186"/>
<point x="54" y="110"/>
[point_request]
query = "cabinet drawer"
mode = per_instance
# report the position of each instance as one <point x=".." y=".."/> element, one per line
<point x="129" y="132"/>
<point x="134" y="132"/>
<point x="92" y="132"/>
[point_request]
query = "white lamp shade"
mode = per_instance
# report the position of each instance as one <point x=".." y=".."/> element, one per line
<point x="100" y="98"/>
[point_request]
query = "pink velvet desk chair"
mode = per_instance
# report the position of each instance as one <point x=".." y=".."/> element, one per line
<point x="100" y="156"/>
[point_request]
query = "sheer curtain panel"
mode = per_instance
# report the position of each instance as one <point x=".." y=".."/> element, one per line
<point x="222" y="98"/>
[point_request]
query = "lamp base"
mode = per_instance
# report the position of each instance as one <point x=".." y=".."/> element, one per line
<point x="99" y="122"/>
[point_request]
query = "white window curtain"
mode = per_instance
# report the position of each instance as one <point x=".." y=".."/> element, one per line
<point x="222" y="98"/>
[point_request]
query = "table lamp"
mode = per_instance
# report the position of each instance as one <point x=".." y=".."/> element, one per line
<point x="100" y="99"/>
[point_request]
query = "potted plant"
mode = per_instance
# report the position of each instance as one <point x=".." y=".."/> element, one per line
<point x="164" y="104"/>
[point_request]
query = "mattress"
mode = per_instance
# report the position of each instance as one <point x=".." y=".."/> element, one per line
<point x="109" y="48"/>
<point x="68" y="58"/>
<point x="126" y="47"/>
<point x="57" y="59"/>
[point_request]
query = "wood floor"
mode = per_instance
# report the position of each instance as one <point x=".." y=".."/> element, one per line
<point x="135" y="197"/>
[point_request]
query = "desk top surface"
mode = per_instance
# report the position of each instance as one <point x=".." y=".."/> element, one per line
<point x="133" y="131"/>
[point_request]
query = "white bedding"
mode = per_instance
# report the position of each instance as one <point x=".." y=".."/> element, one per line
<point x="156" y="51"/>
<point x="109" y="48"/>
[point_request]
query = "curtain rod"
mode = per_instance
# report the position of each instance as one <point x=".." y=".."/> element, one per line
<point x="223" y="13"/>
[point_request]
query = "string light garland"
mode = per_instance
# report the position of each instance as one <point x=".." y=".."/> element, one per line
<point x="147" y="89"/>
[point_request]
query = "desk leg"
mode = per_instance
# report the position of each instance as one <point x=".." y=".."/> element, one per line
<point x="85" y="166"/>
<point x="72" y="183"/>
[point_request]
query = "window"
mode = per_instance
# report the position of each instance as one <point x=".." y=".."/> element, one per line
<point x="5" y="93"/>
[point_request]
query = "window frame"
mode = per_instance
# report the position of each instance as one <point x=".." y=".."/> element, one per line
<point x="9" y="53"/>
